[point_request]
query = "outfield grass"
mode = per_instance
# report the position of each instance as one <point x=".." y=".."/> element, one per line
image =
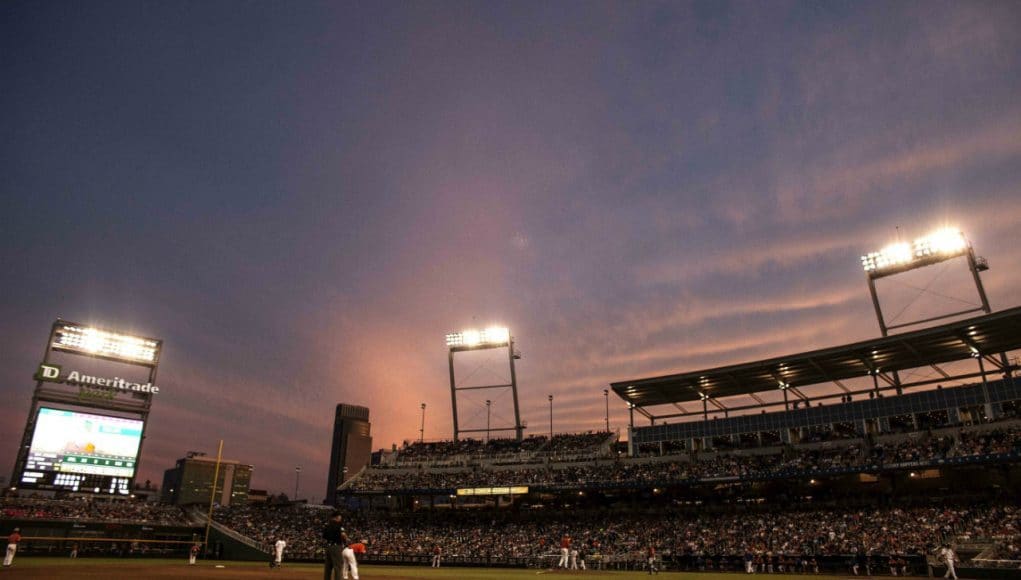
<point x="132" y="569"/>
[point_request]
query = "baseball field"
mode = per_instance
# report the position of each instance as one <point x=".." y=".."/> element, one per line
<point x="119" y="569"/>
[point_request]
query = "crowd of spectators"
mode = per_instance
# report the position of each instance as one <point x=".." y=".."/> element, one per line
<point x="577" y="443"/>
<point x="989" y="442"/>
<point x="85" y="509"/>
<point x="298" y="525"/>
<point x="611" y="534"/>
<point x="918" y="449"/>
<point x="565" y="447"/>
<point x="424" y="452"/>
<point x="789" y="461"/>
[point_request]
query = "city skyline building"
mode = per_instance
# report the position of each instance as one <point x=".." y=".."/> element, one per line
<point x="351" y="449"/>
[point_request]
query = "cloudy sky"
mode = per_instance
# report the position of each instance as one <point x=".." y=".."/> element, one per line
<point x="301" y="199"/>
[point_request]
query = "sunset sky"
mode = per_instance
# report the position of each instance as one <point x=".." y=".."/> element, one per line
<point x="302" y="198"/>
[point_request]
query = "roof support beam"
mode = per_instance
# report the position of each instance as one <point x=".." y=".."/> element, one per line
<point x="779" y="380"/>
<point x="733" y="380"/>
<point x="969" y="343"/>
<point x="823" y="372"/>
<point x="887" y="378"/>
<point x="914" y="352"/>
<point x="798" y="393"/>
<point x="996" y="362"/>
<point x="867" y="363"/>
<point x="918" y="357"/>
<point x="987" y="356"/>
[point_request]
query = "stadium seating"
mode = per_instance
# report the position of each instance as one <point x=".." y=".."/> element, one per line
<point x="564" y="446"/>
<point x="892" y="452"/>
<point x="82" y="509"/>
<point x="683" y="537"/>
<point x="715" y="528"/>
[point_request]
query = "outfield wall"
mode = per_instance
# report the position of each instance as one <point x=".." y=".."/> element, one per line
<point x="42" y="537"/>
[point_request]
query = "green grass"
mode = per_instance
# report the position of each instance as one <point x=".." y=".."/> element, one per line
<point x="207" y="569"/>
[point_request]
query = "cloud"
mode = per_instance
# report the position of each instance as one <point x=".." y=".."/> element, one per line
<point x="633" y="191"/>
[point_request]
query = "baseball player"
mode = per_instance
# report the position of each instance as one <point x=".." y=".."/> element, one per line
<point x="946" y="554"/>
<point x="437" y="552"/>
<point x="651" y="553"/>
<point x="565" y="552"/>
<point x="192" y="554"/>
<point x="278" y="552"/>
<point x="350" y="563"/>
<point x="12" y="547"/>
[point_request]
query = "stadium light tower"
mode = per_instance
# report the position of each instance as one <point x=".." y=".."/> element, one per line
<point x="493" y="337"/>
<point x="939" y="246"/>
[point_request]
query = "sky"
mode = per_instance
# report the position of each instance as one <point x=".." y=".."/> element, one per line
<point x="301" y="199"/>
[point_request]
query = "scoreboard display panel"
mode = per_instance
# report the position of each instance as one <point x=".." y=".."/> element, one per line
<point x="78" y="451"/>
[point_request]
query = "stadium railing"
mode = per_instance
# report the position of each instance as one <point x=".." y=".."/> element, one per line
<point x="196" y="511"/>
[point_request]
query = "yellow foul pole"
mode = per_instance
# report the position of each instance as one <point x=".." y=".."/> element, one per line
<point x="212" y="495"/>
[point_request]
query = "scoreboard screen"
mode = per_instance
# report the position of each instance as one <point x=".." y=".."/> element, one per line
<point x="82" y="451"/>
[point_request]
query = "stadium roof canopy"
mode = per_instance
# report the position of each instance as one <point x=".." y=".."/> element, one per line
<point x="984" y="337"/>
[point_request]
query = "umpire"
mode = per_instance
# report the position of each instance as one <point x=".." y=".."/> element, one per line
<point x="336" y="539"/>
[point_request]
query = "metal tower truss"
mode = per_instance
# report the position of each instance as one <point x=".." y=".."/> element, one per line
<point x="474" y="340"/>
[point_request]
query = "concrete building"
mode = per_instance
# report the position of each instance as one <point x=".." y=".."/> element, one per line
<point x="191" y="480"/>
<point x="352" y="447"/>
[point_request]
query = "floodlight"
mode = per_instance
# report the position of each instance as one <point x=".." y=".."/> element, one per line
<point x="940" y="245"/>
<point x="71" y="337"/>
<point x="890" y="256"/>
<point x="494" y="335"/>
<point x="947" y="242"/>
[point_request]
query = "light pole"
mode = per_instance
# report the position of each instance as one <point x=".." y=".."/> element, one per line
<point x="421" y="430"/>
<point x="551" y="418"/>
<point x="488" y="405"/>
<point x="606" y="395"/>
<point x="297" y="477"/>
